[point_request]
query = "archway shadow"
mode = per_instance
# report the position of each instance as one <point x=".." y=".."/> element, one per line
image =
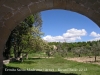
<point x="16" y="72"/>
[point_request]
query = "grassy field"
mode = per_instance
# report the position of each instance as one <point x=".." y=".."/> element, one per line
<point x="57" y="64"/>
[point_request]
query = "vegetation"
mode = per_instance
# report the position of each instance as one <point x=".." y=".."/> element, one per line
<point x="90" y="48"/>
<point x="57" y="64"/>
<point x="25" y="38"/>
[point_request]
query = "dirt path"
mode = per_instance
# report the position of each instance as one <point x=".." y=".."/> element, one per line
<point x="85" y="59"/>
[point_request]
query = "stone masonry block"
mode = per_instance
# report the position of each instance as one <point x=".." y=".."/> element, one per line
<point x="14" y="20"/>
<point x="60" y="4"/>
<point x="25" y="11"/>
<point x="96" y="6"/>
<point x="27" y="2"/>
<point x="8" y="15"/>
<point x="33" y="7"/>
<point x="4" y="11"/>
<point x="49" y="3"/>
<point x="12" y="4"/>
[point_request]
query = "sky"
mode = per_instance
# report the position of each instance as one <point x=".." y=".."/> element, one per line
<point x="68" y="26"/>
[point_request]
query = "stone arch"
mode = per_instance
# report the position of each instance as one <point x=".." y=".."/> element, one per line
<point x="14" y="11"/>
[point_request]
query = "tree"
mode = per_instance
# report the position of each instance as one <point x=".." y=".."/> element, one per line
<point x="22" y="36"/>
<point x="95" y="49"/>
<point x="77" y="51"/>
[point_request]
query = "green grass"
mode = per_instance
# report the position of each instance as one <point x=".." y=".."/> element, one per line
<point x="38" y="54"/>
<point x="58" y="64"/>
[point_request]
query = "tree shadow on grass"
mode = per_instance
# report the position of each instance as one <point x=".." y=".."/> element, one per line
<point x="25" y="62"/>
<point x="34" y="58"/>
<point x="16" y="71"/>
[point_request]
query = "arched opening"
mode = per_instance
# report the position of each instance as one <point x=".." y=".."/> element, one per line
<point x="15" y="11"/>
<point x="61" y="29"/>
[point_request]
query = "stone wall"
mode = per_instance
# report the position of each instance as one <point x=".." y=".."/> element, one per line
<point x="14" y="11"/>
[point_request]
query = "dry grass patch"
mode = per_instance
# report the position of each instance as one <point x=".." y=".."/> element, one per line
<point x="85" y="59"/>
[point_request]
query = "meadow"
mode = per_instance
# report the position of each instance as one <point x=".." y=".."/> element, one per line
<point x="40" y="62"/>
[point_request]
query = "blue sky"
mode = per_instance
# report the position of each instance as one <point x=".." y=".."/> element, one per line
<point x="63" y="25"/>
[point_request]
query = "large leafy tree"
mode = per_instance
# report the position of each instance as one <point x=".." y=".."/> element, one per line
<point x="26" y="35"/>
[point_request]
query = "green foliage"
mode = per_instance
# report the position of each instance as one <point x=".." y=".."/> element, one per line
<point x="26" y="37"/>
<point x="29" y="20"/>
<point x="90" y="48"/>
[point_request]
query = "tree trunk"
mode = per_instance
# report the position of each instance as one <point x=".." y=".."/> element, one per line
<point x="18" y="54"/>
<point x="79" y="55"/>
<point x="27" y="56"/>
<point x="15" y="53"/>
<point x="95" y="58"/>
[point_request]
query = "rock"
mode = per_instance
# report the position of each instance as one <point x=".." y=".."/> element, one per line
<point x="6" y="61"/>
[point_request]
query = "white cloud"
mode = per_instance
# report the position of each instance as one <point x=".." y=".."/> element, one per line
<point x="94" y="34"/>
<point x="71" y="35"/>
<point x="74" y="33"/>
<point x="95" y="39"/>
<point x="50" y="38"/>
